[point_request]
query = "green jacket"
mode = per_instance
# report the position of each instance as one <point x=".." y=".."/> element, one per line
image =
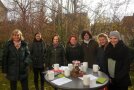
<point x="55" y="55"/>
<point x="15" y="62"/>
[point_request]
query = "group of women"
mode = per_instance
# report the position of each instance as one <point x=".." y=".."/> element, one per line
<point x="111" y="54"/>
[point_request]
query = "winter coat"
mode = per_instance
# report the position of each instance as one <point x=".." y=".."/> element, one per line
<point x="38" y="53"/>
<point x="15" y="62"/>
<point x="119" y="53"/>
<point x="101" y="60"/>
<point x="55" y="55"/>
<point x="74" y="53"/>
<point x="90" y="52"/>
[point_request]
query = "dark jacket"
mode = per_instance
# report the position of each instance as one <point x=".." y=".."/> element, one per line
<point x="15" y="61"/>
<point x="101" y="60"/>
<point x="90" y="52"/>
<point x="74" y="53"/>
<point x="38" y="53"/>
<point x="120" y="54"/>
<point x="55" y="55"/>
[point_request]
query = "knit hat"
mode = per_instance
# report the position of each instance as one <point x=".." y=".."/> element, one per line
<point x="116" y="34"/>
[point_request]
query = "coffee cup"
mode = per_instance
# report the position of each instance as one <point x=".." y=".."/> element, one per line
<point x="84" y="69"/>
<point x="67" y="72"/>
<point x="70" y="66"/>
<point x="96" y="68"/>
<point x="50" y="75"/>
<point x="55" y="66"/>
<point x="85" y="64"/>
<point x="86" y="80"/>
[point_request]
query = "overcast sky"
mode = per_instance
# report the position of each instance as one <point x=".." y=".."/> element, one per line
<point x="127" y="9"/>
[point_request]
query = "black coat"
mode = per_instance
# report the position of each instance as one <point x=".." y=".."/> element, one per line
<point x="74" y="53"/>
<point x="38" y="53"/>
<point x="15" y="62"/>
<point x="90" y="52"/>
<point x="120" y="54"/>
<point x="55" y="55"/>
<point x="101" y="60"/>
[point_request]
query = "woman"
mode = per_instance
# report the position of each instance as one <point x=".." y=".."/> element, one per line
<point x="89" y="48"/>
<point x="16" y="60"/>
<point x="117" y="61"/>
<point x="38" y="53"/>
<point x="103" y="42"/>
<point x="56" y="52"/>
<point x="73" y="50"/>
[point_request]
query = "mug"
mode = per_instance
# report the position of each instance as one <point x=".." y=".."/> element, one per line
<point x="70" y="66"/>
<point x="84" y="68"/>
<point x="67" y="72"/>
<point x="85" y="64"/>
<point x="86" y="80"/>
<point x="96" y="68"/>
<point x="50" y="75"/>
<point x="55" y="66"/>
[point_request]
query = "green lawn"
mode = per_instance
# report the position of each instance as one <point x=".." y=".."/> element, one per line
<point x="4" y="84"/>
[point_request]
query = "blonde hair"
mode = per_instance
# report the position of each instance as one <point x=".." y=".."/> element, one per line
<point x="17" y="31"/>
<point x="103" y="35"/>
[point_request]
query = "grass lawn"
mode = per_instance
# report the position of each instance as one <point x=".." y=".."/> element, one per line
<point x="4" y="83"/>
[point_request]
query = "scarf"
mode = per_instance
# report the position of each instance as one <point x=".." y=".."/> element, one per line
<point x="86" y="41"/>
<point x="17" y="44"/>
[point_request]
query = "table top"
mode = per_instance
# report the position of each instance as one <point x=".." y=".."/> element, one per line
<point x="77" y="84"/>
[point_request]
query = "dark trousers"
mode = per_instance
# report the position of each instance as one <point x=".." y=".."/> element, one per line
<point x="114" y="86"/>
<point x="24" y="84"/>
<point x="38" y="72"/>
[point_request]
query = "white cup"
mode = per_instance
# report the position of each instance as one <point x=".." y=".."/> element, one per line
<point x="86" y="80"/>
<point x="67" y="72"/>
<point x="55" y="66"/>
<point x="96" y="68"/>
<point x="50" y="75"/>
<point x="70" y="66"/>
<point x="84" y="69"/>
<point x="85" y="64"/>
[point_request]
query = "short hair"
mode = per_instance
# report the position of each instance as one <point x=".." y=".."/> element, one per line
<point x="86" y="32"/>
<point x="68" y="42"/>
<point x="16" y="31"/>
